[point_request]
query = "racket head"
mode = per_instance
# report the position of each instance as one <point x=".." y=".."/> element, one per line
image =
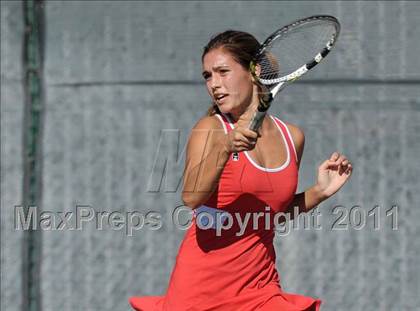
<point x="294" y="49"/>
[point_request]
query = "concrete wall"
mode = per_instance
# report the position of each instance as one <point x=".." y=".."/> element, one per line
<point x="118" y="74"/>
<point x="12" y="110"/>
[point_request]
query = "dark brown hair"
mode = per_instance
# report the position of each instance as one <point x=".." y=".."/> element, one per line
<point x="241" y="45"/>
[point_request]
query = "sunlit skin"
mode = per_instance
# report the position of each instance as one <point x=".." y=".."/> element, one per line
<point x="224" y="75"/>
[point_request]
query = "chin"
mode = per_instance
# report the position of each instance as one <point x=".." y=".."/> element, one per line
<point x="225" y="108"/>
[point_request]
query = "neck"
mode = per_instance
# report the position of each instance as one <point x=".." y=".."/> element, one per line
<point x="246" y="112"/>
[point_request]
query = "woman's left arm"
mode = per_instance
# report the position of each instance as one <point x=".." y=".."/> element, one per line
<point x="332" y="175"/>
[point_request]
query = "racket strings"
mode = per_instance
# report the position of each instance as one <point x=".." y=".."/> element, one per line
<point x="294" y="48"/>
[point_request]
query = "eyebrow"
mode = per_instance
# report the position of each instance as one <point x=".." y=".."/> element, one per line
<point x="215" y="69"/>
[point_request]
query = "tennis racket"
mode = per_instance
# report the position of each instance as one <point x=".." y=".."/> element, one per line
<point x="289" y="53"/>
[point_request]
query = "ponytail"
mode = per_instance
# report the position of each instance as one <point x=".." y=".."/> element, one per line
<point x="213" y="109"/>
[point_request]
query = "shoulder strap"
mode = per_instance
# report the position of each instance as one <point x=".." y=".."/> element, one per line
<point x="287" y="135"/>
<point x="223" y="122"/>
<point x="227" y="124"/>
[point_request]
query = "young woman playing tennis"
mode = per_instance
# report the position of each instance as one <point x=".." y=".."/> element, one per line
<point x="233" y="169"/>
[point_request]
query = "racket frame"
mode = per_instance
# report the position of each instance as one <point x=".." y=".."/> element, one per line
<point x="268" y="95"/>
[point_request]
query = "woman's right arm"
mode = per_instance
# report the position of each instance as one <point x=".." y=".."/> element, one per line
<point x="208" y="150"/>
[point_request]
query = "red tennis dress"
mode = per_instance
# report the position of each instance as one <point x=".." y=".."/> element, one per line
<point x="226" y="261"/>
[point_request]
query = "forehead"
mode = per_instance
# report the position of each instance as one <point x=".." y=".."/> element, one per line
<point x="218" y="57"/>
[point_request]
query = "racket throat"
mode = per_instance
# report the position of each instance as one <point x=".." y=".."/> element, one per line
<point x="276" y="89"/>
<point x="265" y="103"/>
<point x="268" y="96"/>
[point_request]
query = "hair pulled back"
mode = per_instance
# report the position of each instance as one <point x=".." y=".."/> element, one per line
<point x="242" y="46"/>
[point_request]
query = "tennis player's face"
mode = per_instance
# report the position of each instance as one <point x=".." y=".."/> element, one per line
<point x="228" y="83"/>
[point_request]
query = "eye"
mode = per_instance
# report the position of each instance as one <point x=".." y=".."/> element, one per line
<point x="206" y="75"/>
<point x="224" y="71"/>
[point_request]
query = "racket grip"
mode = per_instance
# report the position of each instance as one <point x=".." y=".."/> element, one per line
<point x="257" y="120"/>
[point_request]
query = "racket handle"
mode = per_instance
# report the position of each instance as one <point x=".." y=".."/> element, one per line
<point x="258" y="117"/>
<point x="257" y="120"/>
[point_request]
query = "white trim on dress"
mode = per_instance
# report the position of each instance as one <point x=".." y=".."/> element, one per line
<point x="223" y="122"/>
<point x="265" y="169"/>
<point x="290" y="138"/>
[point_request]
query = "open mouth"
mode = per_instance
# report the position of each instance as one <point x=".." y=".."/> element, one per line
<point x="220" y="97"/>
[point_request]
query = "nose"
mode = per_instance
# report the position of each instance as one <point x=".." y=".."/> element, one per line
<point x="215" y="82"/>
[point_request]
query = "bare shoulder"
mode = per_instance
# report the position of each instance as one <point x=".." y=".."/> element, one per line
<point x="205" y="134"/>
<point x="297" y="133"/>
<point x="298" y="137"/>
<point x="209" y="123"/>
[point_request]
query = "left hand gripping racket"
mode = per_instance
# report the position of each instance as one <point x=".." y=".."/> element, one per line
<point x="288" y="54"/>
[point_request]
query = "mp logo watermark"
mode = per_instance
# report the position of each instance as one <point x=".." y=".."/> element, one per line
<point x="207" y="218"/>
